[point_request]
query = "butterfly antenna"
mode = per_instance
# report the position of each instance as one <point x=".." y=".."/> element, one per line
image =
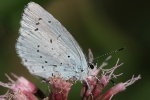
<point x="110" y="53"/>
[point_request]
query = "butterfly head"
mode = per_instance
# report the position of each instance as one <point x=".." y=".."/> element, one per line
<point x="88" y="71"/>
<point x="92" y="66"/>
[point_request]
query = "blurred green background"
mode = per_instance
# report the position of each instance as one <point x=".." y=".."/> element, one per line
<point x="102" y="25"/>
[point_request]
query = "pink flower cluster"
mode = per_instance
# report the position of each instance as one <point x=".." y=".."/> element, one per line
<point x="22" y="89"/>
<point x="92" y="87"/>
<point x="92" y="90"/>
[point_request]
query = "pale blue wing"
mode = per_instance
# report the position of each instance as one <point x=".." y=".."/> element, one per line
<point x="46" y="47"/>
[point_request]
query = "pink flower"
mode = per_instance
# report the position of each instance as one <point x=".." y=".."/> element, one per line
<point x="20" y="89"/>
<point x="93" y="86"/>
<point x="117" y="88"/>
<point x="59" y="88"/>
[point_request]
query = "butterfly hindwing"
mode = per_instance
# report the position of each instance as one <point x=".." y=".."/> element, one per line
<point x="46" y="47"/>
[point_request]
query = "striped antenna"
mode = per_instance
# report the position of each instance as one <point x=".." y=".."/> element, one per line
<point x="110" y="53"/>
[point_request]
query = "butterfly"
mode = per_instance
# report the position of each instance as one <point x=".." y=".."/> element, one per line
<point x="46" y="48"/>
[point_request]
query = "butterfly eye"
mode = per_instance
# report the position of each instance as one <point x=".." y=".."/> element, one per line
<point x="91" y="65"/>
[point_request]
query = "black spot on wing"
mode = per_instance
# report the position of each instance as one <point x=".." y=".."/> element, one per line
<point x="58" y="37"/>
<point x="37" y="23"/>
<point x="40" y="19"/>
<point x="51" y="41"/>
<point x="36" y="29"/>
<point x="55" y="65"/>
<point x="43" y="68"/>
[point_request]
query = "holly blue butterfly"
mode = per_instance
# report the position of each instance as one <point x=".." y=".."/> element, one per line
<point x="46" y="48"/>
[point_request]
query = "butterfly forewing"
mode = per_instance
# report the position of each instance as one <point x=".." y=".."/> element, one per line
<point x="46" y="47"/>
